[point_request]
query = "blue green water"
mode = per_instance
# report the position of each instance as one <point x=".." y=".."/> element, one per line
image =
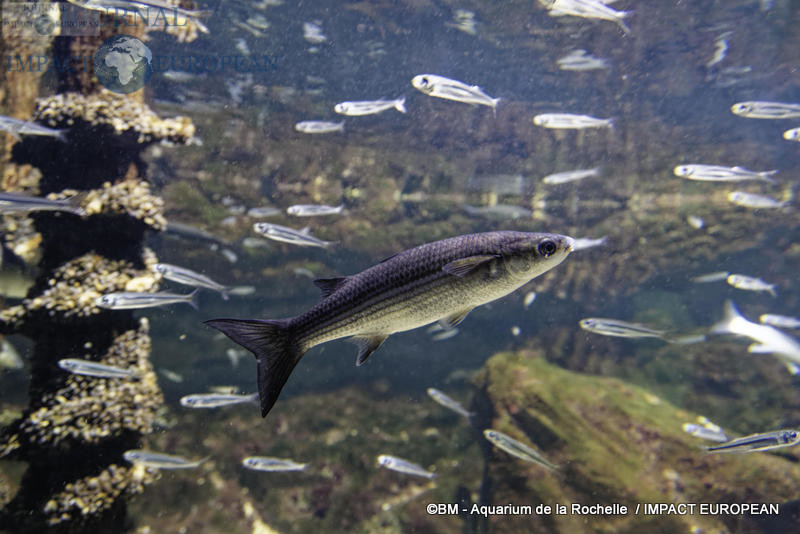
<point x="403" y="179"/>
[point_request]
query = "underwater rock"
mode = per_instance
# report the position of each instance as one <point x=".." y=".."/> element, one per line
<point x="92" y="494"/>
<point x="614" y="443"/>
<point x="123" y="115"/>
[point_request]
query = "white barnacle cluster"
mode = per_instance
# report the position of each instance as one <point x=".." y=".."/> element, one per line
<point x="91" y="494"/>
<point x="89" y="409"/>
<point x="110" y="109"/>
<point x="76" y="285"/>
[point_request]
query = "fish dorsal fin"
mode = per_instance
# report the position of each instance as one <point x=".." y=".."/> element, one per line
<point x="387" y="258"/>
<point x="464" y="266"/>
<point x="329" y="285"/>
<point x="367" y="345"/>
<point x="453" y="320"/>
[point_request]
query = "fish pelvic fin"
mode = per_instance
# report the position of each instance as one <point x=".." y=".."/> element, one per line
<point x="273" y="345"/>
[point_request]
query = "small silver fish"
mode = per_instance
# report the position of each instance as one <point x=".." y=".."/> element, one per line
<point x="569" y="121"/>
<point x="216" y="400"/>
<point x="710" y="277"/>
<point x="570" y="176"/>
<point x="760" y="442"/>
<point x="704" y="432"/>
<point x="313" y="33"/>
<point x="695" y="222"/>
<point x="319" y="127"/>
<point x="582" y="243"/>
<point x="95" y="369"/>
<point x="313" y="210"/>
<point x="750" y="283"/>
<point x="766" y="110"/>
<point x="718" y="173"/>
<point x="272" y="465"/>
<point x="498" y="211"/>
<point x="588" y="9"/>
<point x="134" y="300"/>
<point x="751" y="200"/>
<point x="188" y="277"/>
<point x="445" y="334"/>
<point x="22" y="203"/>
<point x="403" y="466"/>
<point x="284" y="234"/>
<point x="530" y="296"/>
<point x="792" y="135"/>
<point x="781" y="321"/>
<point x="579" y="60"/>
<point x="369" y="107"/>
<point x="157" y="460"/>
<point x="616" y="328"/>
<point x="441" y="87"/>
<point x="517" y="448"/>
<point x="449" y="403"/>
<point x="264" y="211"/>
<point x="18" y="128"/>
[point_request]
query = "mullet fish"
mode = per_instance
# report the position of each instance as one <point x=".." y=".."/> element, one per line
<point x="718" y="173"/>
<point x="517" y="448"/>
<point x="284" y="234"/>
<point x="766" y="110"/>
<point x="570" y="121"/>
<point x="22" y="203"/>
<point x="369" y="107"/>
<point x="131" y="300"/>
<point x="403" y="466"/>
<point x="157" y="460"/>
<point x="272" y="465"/>
<point x="760" y="442"/>
<point x="441" y="87"/>
<point x="440" y="281"/>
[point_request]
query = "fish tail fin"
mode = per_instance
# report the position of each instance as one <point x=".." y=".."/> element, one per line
<point x="273" y="345"/>
<point x="772" y="291"/>
<point x="731" y="314"/>
<point x="495" y="101"/>
<point x="400" y="105"/>
<point x="191" y="299"/>
<point x="62" y="135"/>
<point x="224" y="294"/>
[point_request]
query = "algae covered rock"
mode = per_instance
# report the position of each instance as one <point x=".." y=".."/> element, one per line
<point x="616" y="445"/>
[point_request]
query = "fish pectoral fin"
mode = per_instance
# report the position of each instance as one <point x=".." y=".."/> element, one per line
<point x="367" y="345"/>
<point x="329" y="285"/>
<point x="464" y="266"/>
<point x="453" y="320"/>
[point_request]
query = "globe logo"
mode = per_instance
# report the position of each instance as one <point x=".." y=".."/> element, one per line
<point x="123" y="64"/>
<point x="44" y="25"/>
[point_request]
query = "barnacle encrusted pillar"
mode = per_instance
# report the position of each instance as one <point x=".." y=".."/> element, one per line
<point x="75" y="429"/>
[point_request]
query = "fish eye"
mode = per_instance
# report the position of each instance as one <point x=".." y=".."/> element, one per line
<point x="425" y="81"/>
<point x="547" y="248"/>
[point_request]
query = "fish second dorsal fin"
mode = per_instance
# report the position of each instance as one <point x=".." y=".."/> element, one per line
<point x="464" y="266"/>
<point x="329" y="285"/>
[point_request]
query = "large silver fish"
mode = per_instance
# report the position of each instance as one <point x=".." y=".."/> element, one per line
<point x="440" y="281"/>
